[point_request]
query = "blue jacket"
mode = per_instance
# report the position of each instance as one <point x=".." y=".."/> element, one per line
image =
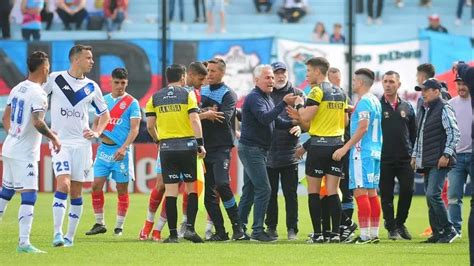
<point x="259" y="118"/>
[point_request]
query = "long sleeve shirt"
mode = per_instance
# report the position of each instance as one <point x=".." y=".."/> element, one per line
<point x="260" y="116"/>
<point x="452" y="133"/>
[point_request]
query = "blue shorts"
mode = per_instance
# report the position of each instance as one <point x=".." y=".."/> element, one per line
<point x="364" y="173"/>
<point x="105" y="166"/>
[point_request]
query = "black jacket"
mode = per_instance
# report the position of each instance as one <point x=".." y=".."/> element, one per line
<point x="283" y="146"/>
<point x="399" y="131"/>
<point x="219" y="136"/>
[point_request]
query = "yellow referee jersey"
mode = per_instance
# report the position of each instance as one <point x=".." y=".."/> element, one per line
<point x="171" y="106"/>
<point x="329" y="120"/>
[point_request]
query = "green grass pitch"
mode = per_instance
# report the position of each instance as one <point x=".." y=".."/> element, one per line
<point x="107" y="249"/>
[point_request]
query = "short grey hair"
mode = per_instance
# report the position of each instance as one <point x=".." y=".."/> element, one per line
<point x="258" y="70"/>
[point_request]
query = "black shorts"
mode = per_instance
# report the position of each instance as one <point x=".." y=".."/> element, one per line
<point x="178" y="162"/>
<point x="319" y="161"/>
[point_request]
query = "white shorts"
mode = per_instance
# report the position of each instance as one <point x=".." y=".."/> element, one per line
<point x="19" y="174"/>
<point x="74" y="161"/>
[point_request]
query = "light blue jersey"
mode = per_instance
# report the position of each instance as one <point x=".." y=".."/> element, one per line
<point x="365" y="155"/>
<point x="122" y="125"/>
<point x="104" y="165"/>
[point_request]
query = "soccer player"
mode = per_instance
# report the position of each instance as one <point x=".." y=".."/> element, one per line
<point x="72" y="94"/>
<point x="23" y="120"/>
<point x="326" y="110"/>
<point x="178" y="130"/>
<point x="113" y="157"/>
<point x="196" y="75"/>
<point x="365" y="146"/>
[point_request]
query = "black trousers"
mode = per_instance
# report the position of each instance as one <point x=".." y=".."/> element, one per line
<point x="28" y="34"/>
<point x="406" y="176"/>
<point x="77" y="18"/>
<point x="47" y="17"/>
<point x="198" y="3"/>
<point x="289" y="184"/>
<point x="370" y="8"/>
<point x="5" y="22"/>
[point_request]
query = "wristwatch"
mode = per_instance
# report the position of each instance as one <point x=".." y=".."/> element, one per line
<point x="298" y="106"/>
<point x="446" y="155"/>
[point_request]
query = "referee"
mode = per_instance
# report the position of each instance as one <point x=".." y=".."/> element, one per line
<point x="399" y="131"/>
<point x="178" y="132"/>
<point x="326" y="110"/>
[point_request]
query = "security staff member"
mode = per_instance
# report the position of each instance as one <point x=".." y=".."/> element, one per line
<point x="173" y="120"/>
<point x="399" y="131"/>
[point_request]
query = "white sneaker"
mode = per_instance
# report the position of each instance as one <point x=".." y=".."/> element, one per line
<point x="457" y="22"/>
<point x="400" y="4"/>
<point x="369" y="21"/>
<point x="378" y="21"/>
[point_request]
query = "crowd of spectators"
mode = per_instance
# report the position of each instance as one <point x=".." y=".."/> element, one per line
<point x="110" y="14"/>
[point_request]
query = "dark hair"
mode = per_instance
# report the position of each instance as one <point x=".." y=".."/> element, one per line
<point x="35" y="60"/>
<point x="428" y="69"/>
<point x="316" y="28"/>
<point x="366" y="72"/>
<point x="338" y="25"/>
<point x="197" y="68"/>
<point x="120" y="73"/>
<point x="391" y="72"/>
<point x="219" y="61"/>
<point x="319" y="62"/>
<point x="77" y="49"/>
<point x="175" y="72"/>
<point x="334" y="70"/>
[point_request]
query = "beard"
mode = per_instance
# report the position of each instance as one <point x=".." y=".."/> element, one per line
<point x="280" y="85"/>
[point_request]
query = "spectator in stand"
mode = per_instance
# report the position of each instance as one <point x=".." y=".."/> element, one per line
<point x="293" y="10"/>
<point x="72" y="11"/>
<point x="31" y="24"/>
<point x="181" y="10"/>
<point x="46" y="15"/>
<point x="213" y="7"/>
<point x="5" y="10"/>
<point x="115" y="12"/>
<point x="425" y="3"/>
<point x="336" y="36"/>
<point x="435" y="24"/>
<point x="319" y="33"/>
<point x="267" y="3"/>
<point x="461" y="4"/>
<point x="198" y="3"/>
<point x="370" y="9"/>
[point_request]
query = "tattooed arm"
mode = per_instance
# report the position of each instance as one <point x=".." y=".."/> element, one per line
<point x="40" y="125"/>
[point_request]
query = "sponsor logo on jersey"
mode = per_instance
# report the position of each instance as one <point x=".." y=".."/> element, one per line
<point x="71" y="113"/>
<point x="31" y="174"/>
<point x="169" y="108"/>
<point x="115" y="121"/>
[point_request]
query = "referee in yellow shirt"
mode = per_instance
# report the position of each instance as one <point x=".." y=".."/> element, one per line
<point x="325" y="111"/>
<point x="173" y="121"/>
